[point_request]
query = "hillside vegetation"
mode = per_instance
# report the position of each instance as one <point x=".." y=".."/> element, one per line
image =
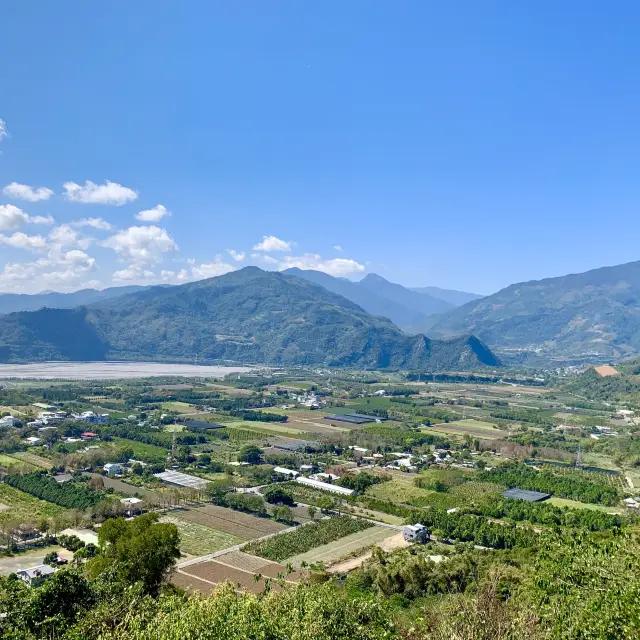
<point x="248" y="316"/>
<point x="570" y="317"/>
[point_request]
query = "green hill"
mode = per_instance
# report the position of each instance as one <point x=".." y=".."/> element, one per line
<point x="250" y="316"/>
<point x="587" y="316"/>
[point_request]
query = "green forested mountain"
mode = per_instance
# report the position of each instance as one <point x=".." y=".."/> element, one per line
<point x="586" y="315"/>
<point x="249" y="316"/>
<point x="13" y="302"/>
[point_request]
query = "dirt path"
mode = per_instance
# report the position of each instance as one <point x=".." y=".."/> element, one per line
<point x="388" y="544"/>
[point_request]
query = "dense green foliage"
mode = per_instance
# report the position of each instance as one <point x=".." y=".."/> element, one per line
<point x="570" y="486"/>
<point x="218" y="319"/>
<point x="597" y="311"/>
<point x="67" y="494"/>
<point x="548" y="514"/>
<point x="306" y="537"/>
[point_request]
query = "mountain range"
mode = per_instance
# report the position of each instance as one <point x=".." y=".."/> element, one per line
<point x="590" y="316"/>
<point x="249" y="315"/>
<point x="12" y="302"/>
<point x="404" y="307"/>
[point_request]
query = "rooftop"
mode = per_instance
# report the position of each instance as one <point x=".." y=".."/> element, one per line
<point x="524" y="494"/>
<point x="182" y="479"/>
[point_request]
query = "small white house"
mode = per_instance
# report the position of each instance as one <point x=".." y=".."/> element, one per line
<point x="415" y="533"/>
<point x="113" y="468"/>
<point x="631" y="503"/>
<point x="36" y="575"/>
<point x="8" y="421"/>
<point x="32" y="440"/>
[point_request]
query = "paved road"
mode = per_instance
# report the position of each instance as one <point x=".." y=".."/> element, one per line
<point x="30" y="559"/>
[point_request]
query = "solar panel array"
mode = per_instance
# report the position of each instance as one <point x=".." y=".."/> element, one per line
<point x="182" y="479"/>
<point x="524" y="494"/>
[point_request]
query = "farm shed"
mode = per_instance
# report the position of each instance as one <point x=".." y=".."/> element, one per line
<point x="325" y="486"/>
<point x="182" y="479"/>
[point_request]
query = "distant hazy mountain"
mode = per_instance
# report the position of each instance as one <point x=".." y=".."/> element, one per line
<point x="405" y="308"/>
<point x="423" y="302"/>
<point x="453" y="297"/>
<point x="248" y="315"/>
<point x="584" y="315"/>
<point x="370" y="301"/>
<point x="12" y="302"/>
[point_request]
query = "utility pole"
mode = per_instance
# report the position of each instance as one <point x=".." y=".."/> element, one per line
<point x="579" y="458"/>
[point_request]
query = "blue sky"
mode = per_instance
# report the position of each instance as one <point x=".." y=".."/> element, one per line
<point x="466" y="144"/>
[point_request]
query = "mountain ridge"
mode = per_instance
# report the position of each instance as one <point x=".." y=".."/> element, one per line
<point x="594" y="314"/>
<point x="247" y="315"/>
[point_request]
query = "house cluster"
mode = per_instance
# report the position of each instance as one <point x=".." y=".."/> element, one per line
<point x="54" y="418"/>
<point x="604" y="432"/>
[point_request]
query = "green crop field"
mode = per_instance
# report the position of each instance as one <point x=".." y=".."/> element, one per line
<point x="23" y="507"/>
<point x="141" y="449"/>
<point x="399" y="492"/>
<point x="33" y="459"/>
<point x="9" y="461"/>
<point x="337" y="549"/>
<point x="198" y="539"/>
<point x="574" y="504"/>
<point x="178" y="407"/>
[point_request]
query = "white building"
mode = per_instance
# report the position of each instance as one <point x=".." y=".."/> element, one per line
<point x="113" y="468"/>
<point x="36" y="575"/>
<point x="415" y="533"/>
<point x="8" y="421"/>
<point x="333" y="488"/>
<point x="286" y="472"/>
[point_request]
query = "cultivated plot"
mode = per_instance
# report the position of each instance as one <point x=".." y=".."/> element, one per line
<point x="226" y="520"/>
<point x="328" y="553"/>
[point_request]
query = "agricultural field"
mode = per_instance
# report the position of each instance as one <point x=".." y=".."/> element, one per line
<point x="333" y="551"/>
<point x="399" y="492"/>
<point x="23" y="507"/>
<point x="574" y="504"/>
<point x="204" y="576"/>
<point x="178" y="407"/>
<point x="226" y="520"/>
<point x="9" y="462"/>
<point x="141" y="449"/>
<point x="458" y="429"/>
<point x="307" y="537"/>
<point x="198" y="539"/>
<point x="32" y="458"/>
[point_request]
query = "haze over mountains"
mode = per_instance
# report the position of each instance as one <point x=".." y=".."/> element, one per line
<point x="585" y="316"/>
<point x="249" y="315"/>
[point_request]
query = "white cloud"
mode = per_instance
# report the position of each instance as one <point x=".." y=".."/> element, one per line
<point x="238" y="256"/>
<point x="25" y="192"/>
<point x="211" y="269"/>
<point x="107" y="193"/>
<point x="21" y="240"/>
<point x="94" y="223"/>
<point x="133" y="272"/>
<point x="3" y="129"/>
<point x="337" y="247"/>
<point x="41" y="220"/>
<point x="153" y="215"/>
<point x="11" y="217"/>
<point x="271" y="243"/>
<point x="265" y="259"/>
<point x="173" y="276"/>
<point x="334" y="267"/>
<point x="62" y="272"/>
<point x="142" y="245"/>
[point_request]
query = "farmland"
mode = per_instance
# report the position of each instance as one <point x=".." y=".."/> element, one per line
<point x="23" y="507"/>
<point x="242" y="525"/>
<point x="306" y="537"/>
<point x="333" y="551"/>
<point x="197" y="539"/>
<point x="233" y="568"/>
